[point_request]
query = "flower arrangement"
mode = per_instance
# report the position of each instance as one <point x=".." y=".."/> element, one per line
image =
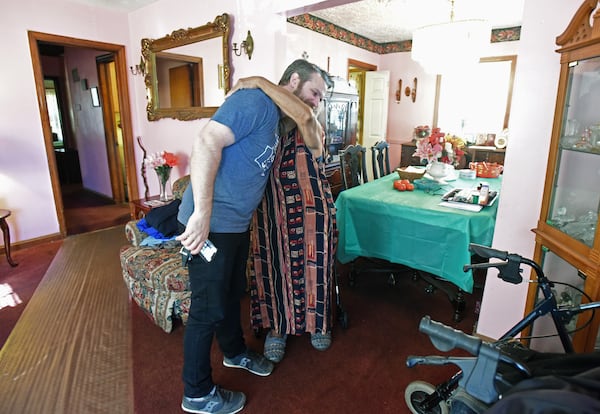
<point x="162" y="162"/>
<point x="430" y="149"/>
<point x="453" y="150"/>
<point x="440" y="147"/>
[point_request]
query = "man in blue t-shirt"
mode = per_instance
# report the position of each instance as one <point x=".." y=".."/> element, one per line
<point x="230" y="164"/>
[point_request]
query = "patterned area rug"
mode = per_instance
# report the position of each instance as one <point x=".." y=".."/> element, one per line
<point x="70" y="352"/>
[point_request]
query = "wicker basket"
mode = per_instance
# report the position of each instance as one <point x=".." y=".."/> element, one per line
<point x="487" y="169"/>
<point x="410" y="175"/>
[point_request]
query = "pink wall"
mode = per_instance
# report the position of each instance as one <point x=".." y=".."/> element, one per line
<point x="89" y="134"/>
<point x="25" y="187"/>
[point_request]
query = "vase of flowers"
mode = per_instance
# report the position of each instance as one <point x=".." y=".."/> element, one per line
<point x="437" y="170"/>
<point x="162" y="163"/>
<point x="440" y="147"/>
<point x="430" y="148"/>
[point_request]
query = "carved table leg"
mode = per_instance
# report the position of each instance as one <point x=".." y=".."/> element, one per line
<point x="6" y="232"/>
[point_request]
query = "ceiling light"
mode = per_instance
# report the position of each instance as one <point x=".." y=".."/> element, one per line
<point x="455" y="45"/>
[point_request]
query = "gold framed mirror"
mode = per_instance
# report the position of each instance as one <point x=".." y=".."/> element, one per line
<point x="188" y="71"/>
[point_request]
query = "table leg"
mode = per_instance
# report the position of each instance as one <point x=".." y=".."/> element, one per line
<point x="6" y="232"/>
<point x="456" y="297"/>
<point x="459" y="304"/>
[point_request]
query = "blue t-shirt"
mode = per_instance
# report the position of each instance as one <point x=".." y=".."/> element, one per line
<point x="244" y="170"/>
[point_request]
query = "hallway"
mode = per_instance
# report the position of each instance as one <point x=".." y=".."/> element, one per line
<point x="87" y="211"/>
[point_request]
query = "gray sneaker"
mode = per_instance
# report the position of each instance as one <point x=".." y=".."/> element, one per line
<point x="218" y="401"/>
<point x="250" y="361"/>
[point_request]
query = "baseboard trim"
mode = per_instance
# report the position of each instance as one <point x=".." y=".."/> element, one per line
<point x="24" y="244"/>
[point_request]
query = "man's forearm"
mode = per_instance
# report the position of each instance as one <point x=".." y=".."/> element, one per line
<point x="204" y="164"/>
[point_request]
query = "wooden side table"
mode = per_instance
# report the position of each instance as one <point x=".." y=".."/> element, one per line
<point x="6" y="231"/>
<point x="141" y="207"/>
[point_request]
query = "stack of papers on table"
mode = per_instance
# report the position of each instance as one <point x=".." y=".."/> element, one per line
<point x="462" y="206"/>
<point x="463" y="199"/>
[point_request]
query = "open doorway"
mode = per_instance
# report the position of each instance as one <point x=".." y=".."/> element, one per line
<point x="86" y="122"/>
<point x="356" y="73"/>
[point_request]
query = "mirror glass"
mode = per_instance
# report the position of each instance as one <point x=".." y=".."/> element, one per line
<point x="188" y="71"/>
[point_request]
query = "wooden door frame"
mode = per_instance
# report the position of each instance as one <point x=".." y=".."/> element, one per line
<point x="362" y="67"/>
<point x="123" y="96"/>
<point x="108" y="118"/>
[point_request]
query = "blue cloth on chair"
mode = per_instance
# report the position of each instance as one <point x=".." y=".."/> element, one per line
<point x="161" y="220"/>
<point x="143" y="225"/>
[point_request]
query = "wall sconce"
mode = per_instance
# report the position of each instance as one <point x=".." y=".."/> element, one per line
<point x="138" y="69"/>
<point x="399" y="91"/>
<point x="247" y="47"/>
<point x="412" y="92"/>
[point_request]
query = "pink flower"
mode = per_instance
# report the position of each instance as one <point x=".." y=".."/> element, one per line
<point x="161" y="159"/>
<point x="430" y="149"/>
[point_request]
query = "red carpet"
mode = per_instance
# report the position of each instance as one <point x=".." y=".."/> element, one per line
<point x="364" y="371"/>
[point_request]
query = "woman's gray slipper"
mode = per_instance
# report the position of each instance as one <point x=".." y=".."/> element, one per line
<point x="274" y="347"/>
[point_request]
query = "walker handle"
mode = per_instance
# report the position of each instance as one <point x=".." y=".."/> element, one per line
<point x="487" y="252"/>
<point x="446" y="338"/>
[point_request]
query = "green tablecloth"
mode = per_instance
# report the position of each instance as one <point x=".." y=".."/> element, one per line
<point x="412" y="229"/>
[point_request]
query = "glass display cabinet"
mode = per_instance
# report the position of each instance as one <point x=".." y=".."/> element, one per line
<point x="567" y="235"/>
<point x="339" y="118"/>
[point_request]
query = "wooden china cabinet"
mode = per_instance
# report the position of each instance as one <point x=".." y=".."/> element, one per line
<point x="567" y="234"/>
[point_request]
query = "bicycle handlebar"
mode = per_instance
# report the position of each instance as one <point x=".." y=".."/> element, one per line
<point x="445" y="338"/>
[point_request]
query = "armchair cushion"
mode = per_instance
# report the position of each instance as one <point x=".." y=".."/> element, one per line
<point x="157" y="283"/>
<point x="156" y="280"/>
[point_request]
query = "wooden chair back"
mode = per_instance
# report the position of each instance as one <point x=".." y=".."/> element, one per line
<point x="353" y="166"/>
<point x="380" y="159"/>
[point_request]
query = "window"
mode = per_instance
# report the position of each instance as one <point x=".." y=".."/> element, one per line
<point x="477" y="103"/>
<point x="51" y="88"/>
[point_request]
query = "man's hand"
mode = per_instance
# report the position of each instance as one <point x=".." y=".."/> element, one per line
<point x="196" y="232"/>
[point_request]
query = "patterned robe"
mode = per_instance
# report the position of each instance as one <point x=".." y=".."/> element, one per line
<point x="294" y="238"/>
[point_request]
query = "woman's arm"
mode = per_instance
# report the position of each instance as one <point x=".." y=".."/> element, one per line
<point x="292" y="106"/>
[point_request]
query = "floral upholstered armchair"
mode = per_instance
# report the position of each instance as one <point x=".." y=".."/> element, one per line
<point x="156" y="280"/>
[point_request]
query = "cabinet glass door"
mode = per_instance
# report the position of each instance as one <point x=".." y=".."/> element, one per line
<point x="338" y="118"/>
<point x="575" y="200"/>
<point x="569" y="285"/>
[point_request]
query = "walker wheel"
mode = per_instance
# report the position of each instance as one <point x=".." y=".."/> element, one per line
<point x="416" y="392"/>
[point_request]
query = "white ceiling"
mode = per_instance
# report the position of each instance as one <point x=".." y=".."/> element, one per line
<point x="394" y="20"/>
<point x="124" y="5"/>
<point x="387" y="20"/>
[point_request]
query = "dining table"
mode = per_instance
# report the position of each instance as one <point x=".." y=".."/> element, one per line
<point x="413" y="228"/>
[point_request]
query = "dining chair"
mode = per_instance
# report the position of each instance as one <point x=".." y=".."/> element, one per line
<point x="380" y="159"/>
<point x="353" y="166"/>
